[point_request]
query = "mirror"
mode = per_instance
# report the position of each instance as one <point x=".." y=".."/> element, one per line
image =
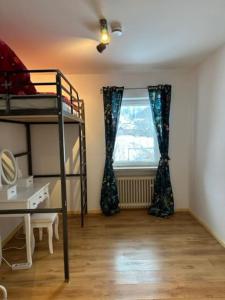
<point x="8" y="167"/>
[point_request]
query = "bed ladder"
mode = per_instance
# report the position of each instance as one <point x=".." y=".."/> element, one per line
<point x="83" y="170"/>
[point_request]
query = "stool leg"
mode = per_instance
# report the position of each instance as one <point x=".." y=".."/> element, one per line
<point x="50" y="235"/>
<point x="40" y="234"/>
<point x="56" y="225"/>
<point x="4" y="292"/>
<point x="24" y="229"/>
<point x="32" y="241"/>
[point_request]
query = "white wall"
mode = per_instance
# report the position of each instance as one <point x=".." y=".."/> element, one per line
<point x="45" y="158"/>
<point x="45" y="143"/>
<point x="208" y="171"/>
<point x="12" y="136"/>
<point x="197" y="171"/>
<point x="183" y="92"/>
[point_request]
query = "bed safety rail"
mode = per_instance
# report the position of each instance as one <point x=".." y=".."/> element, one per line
<point x="46" y="81"/>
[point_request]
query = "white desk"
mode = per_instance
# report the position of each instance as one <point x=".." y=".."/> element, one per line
<point x="27" y="198"/>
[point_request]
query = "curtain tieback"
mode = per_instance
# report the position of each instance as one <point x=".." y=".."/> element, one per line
<point x="164" y="157"/>
<point x="109" y="161"/>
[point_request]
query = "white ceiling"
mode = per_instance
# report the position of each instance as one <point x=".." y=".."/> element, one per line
<point x="157" y="33"/>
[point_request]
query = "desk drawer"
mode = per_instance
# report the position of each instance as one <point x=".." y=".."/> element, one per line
<point x="34" y="201"/>
<point x="43" y="195"/>
<point x="7" y="192"/>
<point x="39" y="197"/>
<point x="26" y="197"/>
<point x="46" y="192"/>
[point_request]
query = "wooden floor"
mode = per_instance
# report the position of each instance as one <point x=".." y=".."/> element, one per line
<point x="129" y="256"/>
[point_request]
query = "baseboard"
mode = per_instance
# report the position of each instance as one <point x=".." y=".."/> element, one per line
<point x="12" y="233"/>
<point x="209" y="230"/>
<point x="95" y="212"/>
<point x="182" y="210"/>
<point x="99" y="212"/>
<point x="90" y="212"/>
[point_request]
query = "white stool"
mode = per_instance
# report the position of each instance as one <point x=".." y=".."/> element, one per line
<point x="4" y="292"/>
<point x="41" y="221"/>
<point x="2" y="288"/>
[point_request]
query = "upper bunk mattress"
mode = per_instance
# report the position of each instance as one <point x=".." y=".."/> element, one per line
<point x="44" y="102"/>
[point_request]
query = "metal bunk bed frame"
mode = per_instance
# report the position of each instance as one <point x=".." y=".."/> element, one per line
<point x="60" y="118"/>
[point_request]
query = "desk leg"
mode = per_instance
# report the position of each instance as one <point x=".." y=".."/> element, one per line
<point x="28" y="238"/>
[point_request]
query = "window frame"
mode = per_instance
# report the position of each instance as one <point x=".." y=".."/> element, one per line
<point x="137" y="165"/>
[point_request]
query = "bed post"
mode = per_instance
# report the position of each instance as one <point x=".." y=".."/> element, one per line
<point x="83" y="162"/>
<point x="29" y="153"/>
<point x="85" y="156"/>
<point x="81" y="177"/>
<point x="63" y="176"/>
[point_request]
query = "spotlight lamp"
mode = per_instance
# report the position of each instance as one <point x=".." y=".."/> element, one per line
<point x="105" y="37"/>
<point x="101" y="47"/>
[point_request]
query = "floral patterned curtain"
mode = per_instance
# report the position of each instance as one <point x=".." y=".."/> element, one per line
<point x="112" y="98"/>
<point x="162" y="202"/>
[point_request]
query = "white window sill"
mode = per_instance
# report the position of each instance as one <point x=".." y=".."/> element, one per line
<point x="135" y="171"/>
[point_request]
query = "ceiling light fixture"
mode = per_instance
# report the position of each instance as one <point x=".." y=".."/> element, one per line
<point x="101" y="47"/>
<point x="105" y="36"/>
<point x="116" y="29"/>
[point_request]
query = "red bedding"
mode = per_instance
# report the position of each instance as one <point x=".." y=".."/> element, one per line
<point x="20" y="83"/>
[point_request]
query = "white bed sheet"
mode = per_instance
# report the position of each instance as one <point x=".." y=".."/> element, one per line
<point x="38" y="103"/>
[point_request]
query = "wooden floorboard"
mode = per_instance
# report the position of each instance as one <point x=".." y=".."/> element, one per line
<point x="128" y="256"/>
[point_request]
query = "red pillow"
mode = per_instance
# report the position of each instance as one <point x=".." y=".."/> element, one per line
<point x="19" y="83"/>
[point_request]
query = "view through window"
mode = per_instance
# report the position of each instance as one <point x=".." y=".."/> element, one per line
<point x="136" y="143"/>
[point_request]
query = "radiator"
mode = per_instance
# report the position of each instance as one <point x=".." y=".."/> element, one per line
<point x="135" y="192"/>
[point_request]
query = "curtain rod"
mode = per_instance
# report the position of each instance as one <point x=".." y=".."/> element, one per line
<point x="131" y="88"/>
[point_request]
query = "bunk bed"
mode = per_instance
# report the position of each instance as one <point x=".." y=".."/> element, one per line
<point x="60" y="108"/>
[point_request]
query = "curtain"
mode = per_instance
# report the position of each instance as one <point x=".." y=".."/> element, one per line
<point x="162" y="202"/>
<point x="112" y="98"/>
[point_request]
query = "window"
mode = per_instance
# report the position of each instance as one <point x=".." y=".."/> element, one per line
<point x="136" y="142"/>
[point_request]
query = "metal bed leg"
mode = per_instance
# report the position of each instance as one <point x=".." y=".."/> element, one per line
<point x="81" y="176"/>
<point x="85" y="167"/>
<point x="29" y="156"/>
<point x="65" y="248"/>
<point x="64" y="200"/>
<point x="84" y="164"/>
<point x="63" y="180"/>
